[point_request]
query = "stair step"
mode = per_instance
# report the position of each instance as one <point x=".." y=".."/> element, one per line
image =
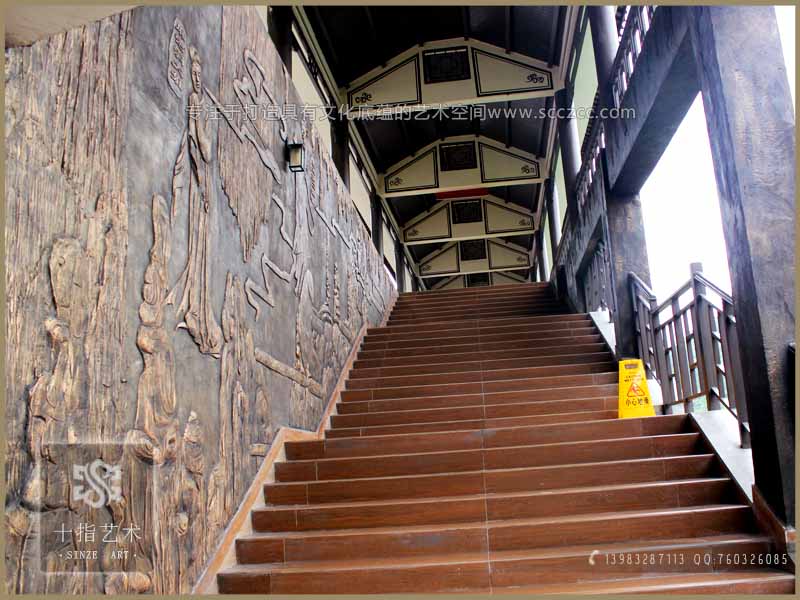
<point x="489" y="438"/>
<point x="494" y="536"/>
<point x="473" y="571"/>
<point x="489" y="459"/>
<point x="507" y="333"/>
<point x="552" y="337"/>
<point x="379" y="358"/>
<point x="438" y="426"/>
<point x="510" y="505"/>
<point x="543" y="309"/>
<point x="588" y="358"/>
<point x="541" y="382"/>
<point x="478" y="325"/>
<point x="567" y="411"/>
<point x="492" y="481"/>
<point x="481" y="375"/>
<point x="493" y="410"/>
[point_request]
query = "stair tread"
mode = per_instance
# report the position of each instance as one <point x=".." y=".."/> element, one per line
<point x="506" y="448"/>
<point x="562" y="466"/>
<point x="442" y="409"/>
<point x="422" y="433"/>
<point x="491" y="524"/>
<point x="486" y="495"/>
<point x="493" y="374"/>
<point x="495" y="556"/>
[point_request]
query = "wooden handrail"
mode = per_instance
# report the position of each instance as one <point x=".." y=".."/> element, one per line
<point x="693" y="351"/>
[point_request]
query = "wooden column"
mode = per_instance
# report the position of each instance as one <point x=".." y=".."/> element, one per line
<point x="626" y="243"/>
<point x="377" y="222"/>
<point x="340" y="146"/>
<point x="400" y="266"/>
<point x="570" y="151"/>
<point x="553" y="225"/>
<point x="603" y="24"/>
<point x="751" y="127"/>
<point x="279" y="24"/>
<point x="539" y="241"/>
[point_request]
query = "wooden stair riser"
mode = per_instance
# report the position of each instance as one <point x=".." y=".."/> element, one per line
<point x="447" y="328"/>
<point x="490" y="438"/>
<point x="557" y="419"/>
<point x="493" y="481"/>
<point x="477" y="314"/>
<point x="492" y="459"/>
<point x="587" y="358"/>
<point x="543" y="337"/>
<point x="493" y="536"/>
<point x="544" y="347"/>
<point x="476" y="387"/>
<point x="494" y="410"/>
<point x="379" y="359"/>
<point x="481" y="375"/>
<point x="478" y="324"/>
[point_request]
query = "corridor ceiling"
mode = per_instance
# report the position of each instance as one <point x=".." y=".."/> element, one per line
<point x="356" y="39"/>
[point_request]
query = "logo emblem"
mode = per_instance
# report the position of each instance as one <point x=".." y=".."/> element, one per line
<point x="103" y="483"/>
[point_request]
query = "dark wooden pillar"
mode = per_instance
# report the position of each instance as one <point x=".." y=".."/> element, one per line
<point x="570" y="151"/>
<point x="279" y="24"/>
<point x="414" y="283"/>
<point x="400" y="266"/>
<point x="377" y="222"/>
<point x="628" y="249"/>
<point x="553" y="224"/>
<point x="340" y="146"/>
<point x="539" y="241"/>
<point x="751" y="127"/>
<point x="604" y="41"/>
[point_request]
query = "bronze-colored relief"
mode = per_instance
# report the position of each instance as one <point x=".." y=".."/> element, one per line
<point x="106" y="365"/>
<point x="194" y="306"/>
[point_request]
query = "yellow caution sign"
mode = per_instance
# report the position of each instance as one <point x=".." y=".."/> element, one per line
<point x="634" y="397"/>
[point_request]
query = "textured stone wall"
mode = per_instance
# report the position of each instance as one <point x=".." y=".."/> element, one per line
<point x="174" y="291"/>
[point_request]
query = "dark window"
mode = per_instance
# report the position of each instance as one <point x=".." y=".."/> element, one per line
<point x="449" y="64"/>
<point x="477" y="279"/>
<point x="458" y="156"/>
<point x="472" y="249"/>
<point x="467" y="211"/>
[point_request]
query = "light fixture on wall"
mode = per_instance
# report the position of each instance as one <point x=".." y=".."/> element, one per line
<point x="296" y="156"/>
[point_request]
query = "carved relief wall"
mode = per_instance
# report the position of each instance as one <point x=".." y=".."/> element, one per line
<point x="175" y="293"/>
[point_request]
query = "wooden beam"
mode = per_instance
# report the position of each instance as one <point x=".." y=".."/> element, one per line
<point x="660" y="92"/>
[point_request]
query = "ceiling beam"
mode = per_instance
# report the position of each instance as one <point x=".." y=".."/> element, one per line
<point x="460" y="163"/>
<point x="462" y="281"/>
<point x="474" y="73"/>
<point x="480" y="217"/>
<point x="474" y="256"/>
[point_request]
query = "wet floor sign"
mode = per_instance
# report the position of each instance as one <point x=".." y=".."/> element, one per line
<point x="634" y="397"/>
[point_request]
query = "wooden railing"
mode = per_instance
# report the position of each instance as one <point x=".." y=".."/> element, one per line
<point x="637" y="24"/>
<point x="690" y="345"/>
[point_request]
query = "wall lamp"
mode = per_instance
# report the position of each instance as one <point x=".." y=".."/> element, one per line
<point x="296" y="156"/>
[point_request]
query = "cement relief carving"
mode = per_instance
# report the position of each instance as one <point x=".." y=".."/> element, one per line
<point x="133" y="349"/>
<point x="194" y="305"/>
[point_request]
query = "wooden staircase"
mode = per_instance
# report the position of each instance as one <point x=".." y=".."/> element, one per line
<point x="477" y="448"/>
